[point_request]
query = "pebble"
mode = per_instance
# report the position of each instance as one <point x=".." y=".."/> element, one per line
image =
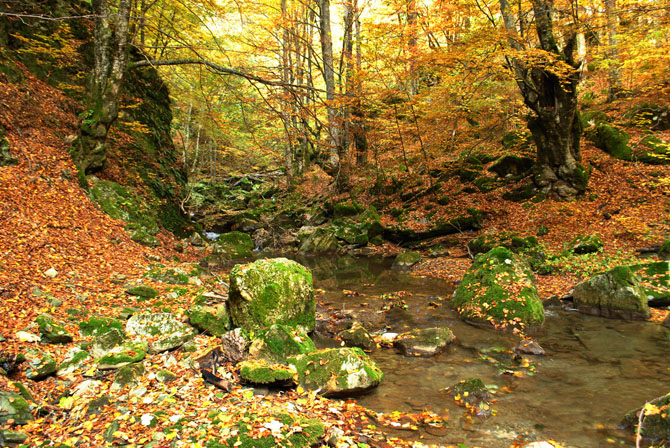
<point x="51" y="273"/>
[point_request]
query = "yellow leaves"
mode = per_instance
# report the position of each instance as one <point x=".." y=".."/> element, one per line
<point x="650" y="409"/>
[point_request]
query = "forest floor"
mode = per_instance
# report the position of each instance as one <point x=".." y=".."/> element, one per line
<point x="48" y="222"/>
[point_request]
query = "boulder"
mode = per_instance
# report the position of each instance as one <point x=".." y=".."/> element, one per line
<point x="74" y="360"/>
<point x="357" y="336"/>
<point x="424" y="341"/>
<point x="406" y="260"/>
<point x="164" y="331"/>
<point x="471" y="391"/>
<point x="269" y="374"/>
<point x="233" y="246"/>
<point x="14" y="407"/>
<point x="612" y="140"/>
<point x="98" y="325"/>
<point x="105" y="342"/>
<point x="197" y="240"/>
<point x="51" y="331"/>
<point x="141" y="290"/>
<point x="234" y="346"/>
<point x="337" y="371"/>
<point x="40" y="364"/>
<point x="210" y="319"/>
<point x="650" y="116"/>
<point x="655" y="425"/>
<point x="615" y="294"/>
<point x="122" y="355"/>
<point x="319" y="241"/>
<point x="654" y="151"/>
<point x="529" y="347"/>
<point x="12" y="438"/>
<point x="512" y="165"/>
<point x="271" y="291"/>
<point x="499" y="289"/>
<point x="585" y="244"/>
<point x="278" y="343"/>
<point x="127" y="376"/>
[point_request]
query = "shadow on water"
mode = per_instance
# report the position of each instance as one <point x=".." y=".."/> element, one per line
<point x="595" y="369"/>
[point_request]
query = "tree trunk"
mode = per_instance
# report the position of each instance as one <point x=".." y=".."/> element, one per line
<point x="614" y="72"/>
<point x="329" y="80"/>
<point x="552" y="98"/>
<point x="111" y="57"/>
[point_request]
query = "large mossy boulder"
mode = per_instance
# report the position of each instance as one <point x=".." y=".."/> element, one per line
<point x="612" y="140"/>
<point x="233" y="246"/>
<point x="13" y="407"/>
<point x="279" y="342"/>
<point x="337" y="371"/>
<point x="499" y="289"/>
<point x="163" y="331"/>
<point x="655" y="422"/>
<point x="424" y="341"/>
<point x="271" y="291"/>
<point x="615" y="294"/>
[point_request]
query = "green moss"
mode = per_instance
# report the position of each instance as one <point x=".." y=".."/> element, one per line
<point x="52" y="331"/>
<point x="40" y="364"/>
<point x="406" y="259"/>
<point x="612" y="140"/>
<point x="585" y="244"/>
<point x="122" y="356"/>
<point x="279" y="342"/>
<point x="213" y="320"/>
<point x="654" y="426"/>
<point x="14" y="407"/>
<point x="262" y="372"/>
<point x="98" y="325"/>
<point x="357" y="336"/>
<point x="499" y="289"/>
<point x="346" y="209"/>
<point x="143" y="291"/>
<point x="312" y="431"/>
<point x="654" y="151"/>
<point x="654" y="278"/>
<point x="234" y="245"/>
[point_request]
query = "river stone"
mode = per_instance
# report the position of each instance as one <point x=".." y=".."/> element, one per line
<point x="40" y="364"/>
<point x="12" y="438"/>
<point x="234" y="346"/>
<point x="129" y="375"/>
<point x="265" y="373"/>
<point x="319" y="241"/>
<point x="105" y="342"/>
<point x="357" y="336"/>
<point x="74" y="360"/>
<point x="406" y="260"/>
<point x="163" y="330"/>
<point x="51" y="331"/>
<point x="211" y="319"/>
<point x="271" y="291"/>
<point x="424" y="341"/>
<point x="279" y="342"/>
<point x="529" y="347"/>
<point x="472" y="391"/>
<point x="654" y="426"/>
<point x="14" y="407"/>
<point x="337" y="371"/>
<point x="615" y="294"/>
<point x="122" y="355"/>
<point x="499" y="289"/>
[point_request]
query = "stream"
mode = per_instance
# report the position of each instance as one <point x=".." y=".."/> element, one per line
<point x="595" y="369"/>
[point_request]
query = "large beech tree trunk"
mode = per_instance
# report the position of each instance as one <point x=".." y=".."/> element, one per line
<point x="549" y="89"/>
<point x="111" y="58"/>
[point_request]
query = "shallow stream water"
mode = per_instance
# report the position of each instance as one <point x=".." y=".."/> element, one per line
<point x="595" y="369"/>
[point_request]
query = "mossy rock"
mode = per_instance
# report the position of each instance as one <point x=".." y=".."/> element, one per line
<point x="650" y="116"/>
<point x="141" y="236"/>
<point x="6" y="158"/>
<point x="14" y="407"/>
<point x="279" y="342"/>
<point x="284" y="434"/>
<point x="664" y="250"/>
<point x="499" y="289"/>
<point x="12" y="438"/>
<point x="349" y="232"/>
<point x="654" y="151"/>
<point x="342" y="209"/>
<point x="337" y="371"/>
<point x="166" y="376"/>
<point x="486" y="184"/>
<point x="585" y="244"/>
<point x="654" y="279"/>
<point x="98" y="325"/>
<point x="119" y="202"/>
<point x="615" y="294"/>
<point x="40" y="364"/>
<point x="122" y="355"/>
<point x="510" y="240"/>
<point x="512" y="165"/>
<point x="654" y="426"/>
<point x="424" y="341"/>
<point x="612" y="140"/>
<point x="261" y="372"/>
<point x="320" y="241"/>
<point x="271" y="291"/>
<point x="406" y="260"/>
<point x="211" y="319"/>
<point x="472" y="391"/>
<point x="469" y="173"/>
<point x="371" y="222"/>
<point x="164" y="330"/>
<point x="51" y="331"/>
<point x="516" y="140"/>
<point x="74" y="360"/>
<point x="127" y="376"/>
<point x="233" y="245"/>
<point x="593" y="118"/>
<point x="105" y="342"/>
<point x="140" y="290"/>
<point x="357" y="336"/>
